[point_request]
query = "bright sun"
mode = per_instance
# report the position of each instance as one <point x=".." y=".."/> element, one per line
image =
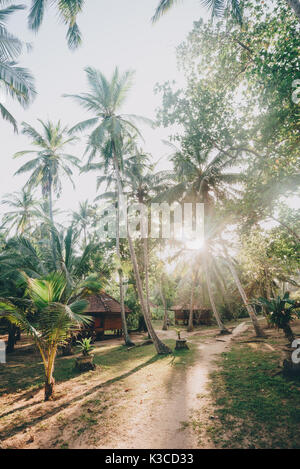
<point x="194" y="244"/>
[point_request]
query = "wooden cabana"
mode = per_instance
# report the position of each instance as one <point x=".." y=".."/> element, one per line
<point x="106" y="312"/>
<point x="200" y="315"/>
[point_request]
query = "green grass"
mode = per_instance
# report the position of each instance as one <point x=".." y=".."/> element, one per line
<point x="255" y="407"/>
<point x="27" y="373"/>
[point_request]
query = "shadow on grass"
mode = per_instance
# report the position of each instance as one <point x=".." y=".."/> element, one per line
<point x="105" y="359"/>
<point x="24" y="372"/>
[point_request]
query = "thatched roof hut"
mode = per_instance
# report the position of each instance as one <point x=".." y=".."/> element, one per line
<point x="106" y="312"/>
<point x="201" y="315"/>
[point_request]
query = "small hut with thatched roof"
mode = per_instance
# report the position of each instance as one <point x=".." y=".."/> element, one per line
<point x="106" y="312"/>
<point x="200" y="315"/>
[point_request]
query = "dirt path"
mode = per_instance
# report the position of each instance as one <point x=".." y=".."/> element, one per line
<point x="159" y="413"/>
<point x="147" y="405"/>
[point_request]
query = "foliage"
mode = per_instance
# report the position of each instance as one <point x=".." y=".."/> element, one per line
<point x="281" y="309"/>
<point x="67" y="10"/>
<point x="54" y="314"/>
<point x="85" y="346"/>
<point x="15" y="81"/>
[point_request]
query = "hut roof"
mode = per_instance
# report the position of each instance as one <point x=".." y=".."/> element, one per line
<point x="104" y="303"/>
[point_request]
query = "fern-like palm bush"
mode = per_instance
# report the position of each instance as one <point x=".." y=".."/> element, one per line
<point x="55" y="312"/>
<point x="85" y="346"/>
<point x="281" y="312"/>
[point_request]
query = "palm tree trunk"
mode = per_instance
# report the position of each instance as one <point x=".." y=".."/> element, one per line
<point x="160" y="347"/>
<point x="163" y="299"/>
<point x="257" y="328"/>
<point x="146" y="267"/>
<point x="190" y="327"/>
<point x="52" y="221"/>
<point x="127" y="339"/>
<point x="224" y="292"/>
<point x="85" y="236"/>
<point x="295" y="5"/>
<point x="221" y="326"/>
<point x="50" y="381"/>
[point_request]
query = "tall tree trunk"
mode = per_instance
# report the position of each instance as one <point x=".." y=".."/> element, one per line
<point x="190" y="327"/>
<point x="84" y="236"/>
<point x="224" y="291"/>
<point x="160" y="347"/>
<point x="163" y="299"/>
<point x="295" y="5"/>
<point x="146" y="267"/>
<point x="52" y="223"/>
<point x="258" y="331"/>
<point x="221" y="326"/>
<point x="127" y="339"/>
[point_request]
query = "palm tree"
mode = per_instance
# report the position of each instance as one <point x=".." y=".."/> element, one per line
<point x="140" y="184"/>
<point x="143" y="185"/>
<point x="23" y="210"/>
<point x="105" y="166"/>
<point x="105" y="100"/>
<point x="259" y="332"/>
<point x="67" y="11"/>
<point x="218" y="8"/>
<point x="81" y="218"/>
<point x="205" y="179"/>
<point x="194" y="262"/>
<point x="49" y="162"/>
<point x="202" y="178"/>
<point x="15" y="81"/>
<point x="55" y="316"/>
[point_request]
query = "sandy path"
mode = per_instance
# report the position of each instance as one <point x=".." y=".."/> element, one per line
<point x="152" y="406"/>
<point x="161" y="404"/>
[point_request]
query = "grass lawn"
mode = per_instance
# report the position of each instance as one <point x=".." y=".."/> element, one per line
<point x="25" y="371"/>
<point x="253" y="404"/>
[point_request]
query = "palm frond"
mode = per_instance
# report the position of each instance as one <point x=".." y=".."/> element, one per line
<point x="162" y="8"/>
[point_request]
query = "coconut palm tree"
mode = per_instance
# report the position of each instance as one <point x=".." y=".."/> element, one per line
<point x="258" y="330"/>
<point x="140" y="184"/>
<point x="218" y="8"/>
<point x="201" y="178"/>
<point x="67" y="12"/>
<point x="54" y="316"/>
<point x="81" y="218"/>
<point x="143" y="184"/>
<point x="49" y="162"/>
<point x="15" y="81"/>
<point x="107" y="167"/>
<point x="197" y="263"/>
<point x="105" y="99"/>
<point x="24" y="209"/>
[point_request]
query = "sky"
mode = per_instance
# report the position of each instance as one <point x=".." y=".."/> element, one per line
<point x="115" y="33"/>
